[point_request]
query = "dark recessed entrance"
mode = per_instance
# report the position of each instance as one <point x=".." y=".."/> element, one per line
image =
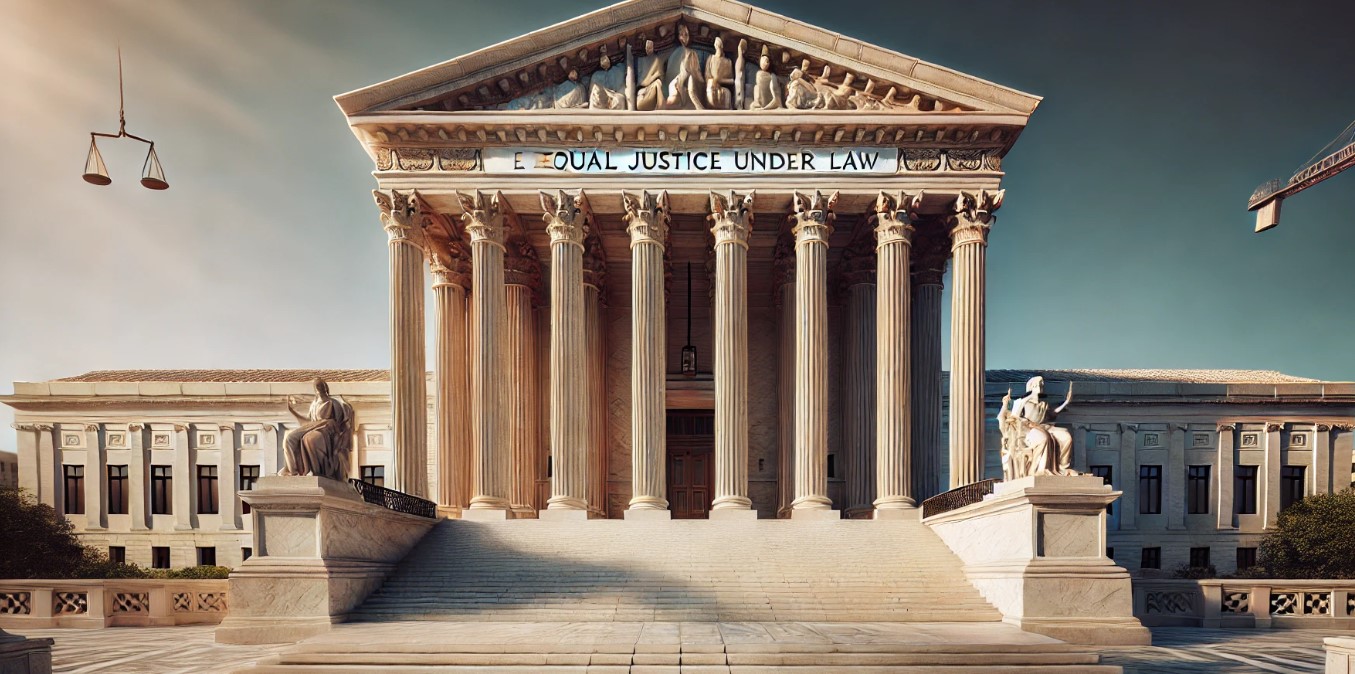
<point x="691" y="465"/>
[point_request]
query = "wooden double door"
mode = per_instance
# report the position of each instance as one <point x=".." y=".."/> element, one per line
<point x="691" y="463"/>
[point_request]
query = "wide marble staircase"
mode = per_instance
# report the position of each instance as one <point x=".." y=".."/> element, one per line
<point x="679" y="596"/>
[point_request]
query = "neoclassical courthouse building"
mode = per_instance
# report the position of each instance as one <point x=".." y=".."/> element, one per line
<point x="687" y="260"/>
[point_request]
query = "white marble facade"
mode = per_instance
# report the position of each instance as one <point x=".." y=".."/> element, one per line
<point x="1123" y="419"/>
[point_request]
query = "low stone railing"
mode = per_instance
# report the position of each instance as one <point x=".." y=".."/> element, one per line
<point x="1263" y="603"/>
<point x="34" y="604"/>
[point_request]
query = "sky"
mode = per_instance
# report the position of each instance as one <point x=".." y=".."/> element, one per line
<point x="1123" y="242"/>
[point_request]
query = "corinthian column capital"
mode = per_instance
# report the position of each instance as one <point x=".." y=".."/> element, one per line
<point x="813" y="217"/>
<point x="732" y="218"/>
<point x="400" y="216"/>
<point x="972" y="216"/>
<point x="449" y="269"/>
<point x="483" y="216"/>
<point x="646" y="217"/>
<point x="894" y="218"/>
<point x="566" y="217"/>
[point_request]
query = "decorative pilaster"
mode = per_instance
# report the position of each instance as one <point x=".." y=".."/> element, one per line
<point x="228" y="479"/>
<point x="1223" y="508"/>
<point x="520" y="375"/>
<point x="813" y="218"/>
<point x="451" y="374"/>
<point x="567" y="224"/>
<point x="595" y="344"/>
<point x="1321" y="482"/>
<point x="732" y="220"/>
<point x="96" y="480"/>
<point x="409" y="393"/>
<point x="1129" y="475"/>
<point x="1174" y="478"/>
<point x="483" y="216"/>
<point x="1271" y="473"/>
<point x="137" y="473"/>
<point x="857" y="275"/>
<point x="894" y="217"/>
<point x="783" y="263"/>
<point x="647" y="223"/>
<point x="973" y="217"/>
<point x="181" y="482"/>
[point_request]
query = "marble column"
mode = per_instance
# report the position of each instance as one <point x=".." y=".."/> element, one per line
<point x="732" y="220"/>
<point x="451" y="378"/>
<point x="567" y="224"/>
<point x="483" y="216"/>
<point x="595" y="339"/>
<point x="520" y="375"/>
<point x="409" y="393"/>
<point x="784" y="299"/>
<point x="858" y="390"/>
<point x="647" y="223"/>
<point x="973" y="216"/>
<point x="813" y="218"/>
<point x="893" y="361"/>
<point x="928" y="268"/>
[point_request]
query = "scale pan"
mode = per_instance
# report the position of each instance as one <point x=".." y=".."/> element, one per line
<point x="96" y="173"/>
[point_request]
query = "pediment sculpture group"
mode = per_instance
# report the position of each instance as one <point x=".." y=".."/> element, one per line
<point x="690" y="79"/>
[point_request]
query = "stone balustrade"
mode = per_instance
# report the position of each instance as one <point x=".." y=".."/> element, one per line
<point x="37" y="604"/>
<point x="1260" y="603"/>
<point x="1340" y="655"/>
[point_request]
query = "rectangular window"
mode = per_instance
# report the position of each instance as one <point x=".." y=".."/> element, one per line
<point x="1103" y="472"/>
<point x="1244" y="490"/>
<point x="832" y="465"/>
<point x="117" y="490"/>
<point x="117" y="554"/>
<point x="1246" y="558"/>
<point x="206" y="556"/>
<point x="246" y="553"/>
<point x="1197" y="490"/>
<point x="75" y="489"/>
<point x="207" y="495"/>
<point x="1291" y="485"/>
<point x="248" y="476"/>
<point x="1150" y="490"/>
<point x="162" y="491"/>
<point x="374" y="475"/>
<point x="159" y="557"/>
<point x="1151" y="558"/>
<point x="1199" y="557"/>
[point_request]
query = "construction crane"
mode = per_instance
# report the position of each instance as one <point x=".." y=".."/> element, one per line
<point x="1332" y="159"/>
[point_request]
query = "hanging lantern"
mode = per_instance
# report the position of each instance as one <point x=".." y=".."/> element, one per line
<point x="96" y="172"/>
<point x="152" y="174"/>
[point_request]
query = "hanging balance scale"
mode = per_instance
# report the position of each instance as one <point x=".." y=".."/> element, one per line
<point x="96" y="172"/>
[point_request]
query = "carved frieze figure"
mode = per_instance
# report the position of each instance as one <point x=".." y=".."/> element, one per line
<point x="1031" y="443"/>
<point x="321" y="444"/>
<point x="607" y="85"/>
<point x="570" y="93"/>
<point x="866" y="100"/>
<point x="801" y="94"/>
<point x="649" y="79"/>
<point x="766" y="90"/>
<point x="839" y="97"/>
<point x="685" y="90"/>
<point x="719" y="73"/>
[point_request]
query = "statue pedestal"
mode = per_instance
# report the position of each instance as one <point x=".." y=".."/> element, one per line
<point x="319" y="550"/>
<point x="19" y="655"/>
<point x="1036" y="549"/>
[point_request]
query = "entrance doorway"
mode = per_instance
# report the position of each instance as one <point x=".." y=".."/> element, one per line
<point x="691" y="462"/>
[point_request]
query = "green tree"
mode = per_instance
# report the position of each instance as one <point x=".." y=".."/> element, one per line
<point x="1313" y="538"/>
<point x="35" y="541"/>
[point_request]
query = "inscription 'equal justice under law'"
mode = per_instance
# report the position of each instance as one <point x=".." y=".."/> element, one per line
<point x="693" y="161"/>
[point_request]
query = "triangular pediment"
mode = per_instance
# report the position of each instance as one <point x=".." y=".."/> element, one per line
<point x="806" y="68"/>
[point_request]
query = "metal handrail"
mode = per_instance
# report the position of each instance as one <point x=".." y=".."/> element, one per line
<point x="395" y="500"/>
<point x="958" y="497"/>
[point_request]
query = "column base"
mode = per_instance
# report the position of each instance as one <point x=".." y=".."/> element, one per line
<point x="563" y="515"/>
<point x="815" y="514"/>
<point x="484" y="515"/>
<point x="647" y="514"/>
<point x="896" y="514"/>
<point x="733" y="514"/>
<point x="449" y="512"/>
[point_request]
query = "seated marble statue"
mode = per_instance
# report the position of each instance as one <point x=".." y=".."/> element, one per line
<point x="801" y="94"/>
<point x="719" y="78"/>
<point x="766" y="90"/>
<point x="570" y="93"/>
<point x="686" y="91"/>
<point x="649" y="79"/>
<point x="320" y="446"/>
<point x="1031" y="443"/>
<point x="607" y="85"/>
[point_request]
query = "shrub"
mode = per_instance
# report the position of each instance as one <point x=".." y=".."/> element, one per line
<point x="1194" y="572"/>
<point x="38" y="542"/>
<point x="1313" y="538"/>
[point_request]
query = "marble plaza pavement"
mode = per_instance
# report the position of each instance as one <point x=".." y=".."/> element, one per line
<point x="192" y="649"/>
